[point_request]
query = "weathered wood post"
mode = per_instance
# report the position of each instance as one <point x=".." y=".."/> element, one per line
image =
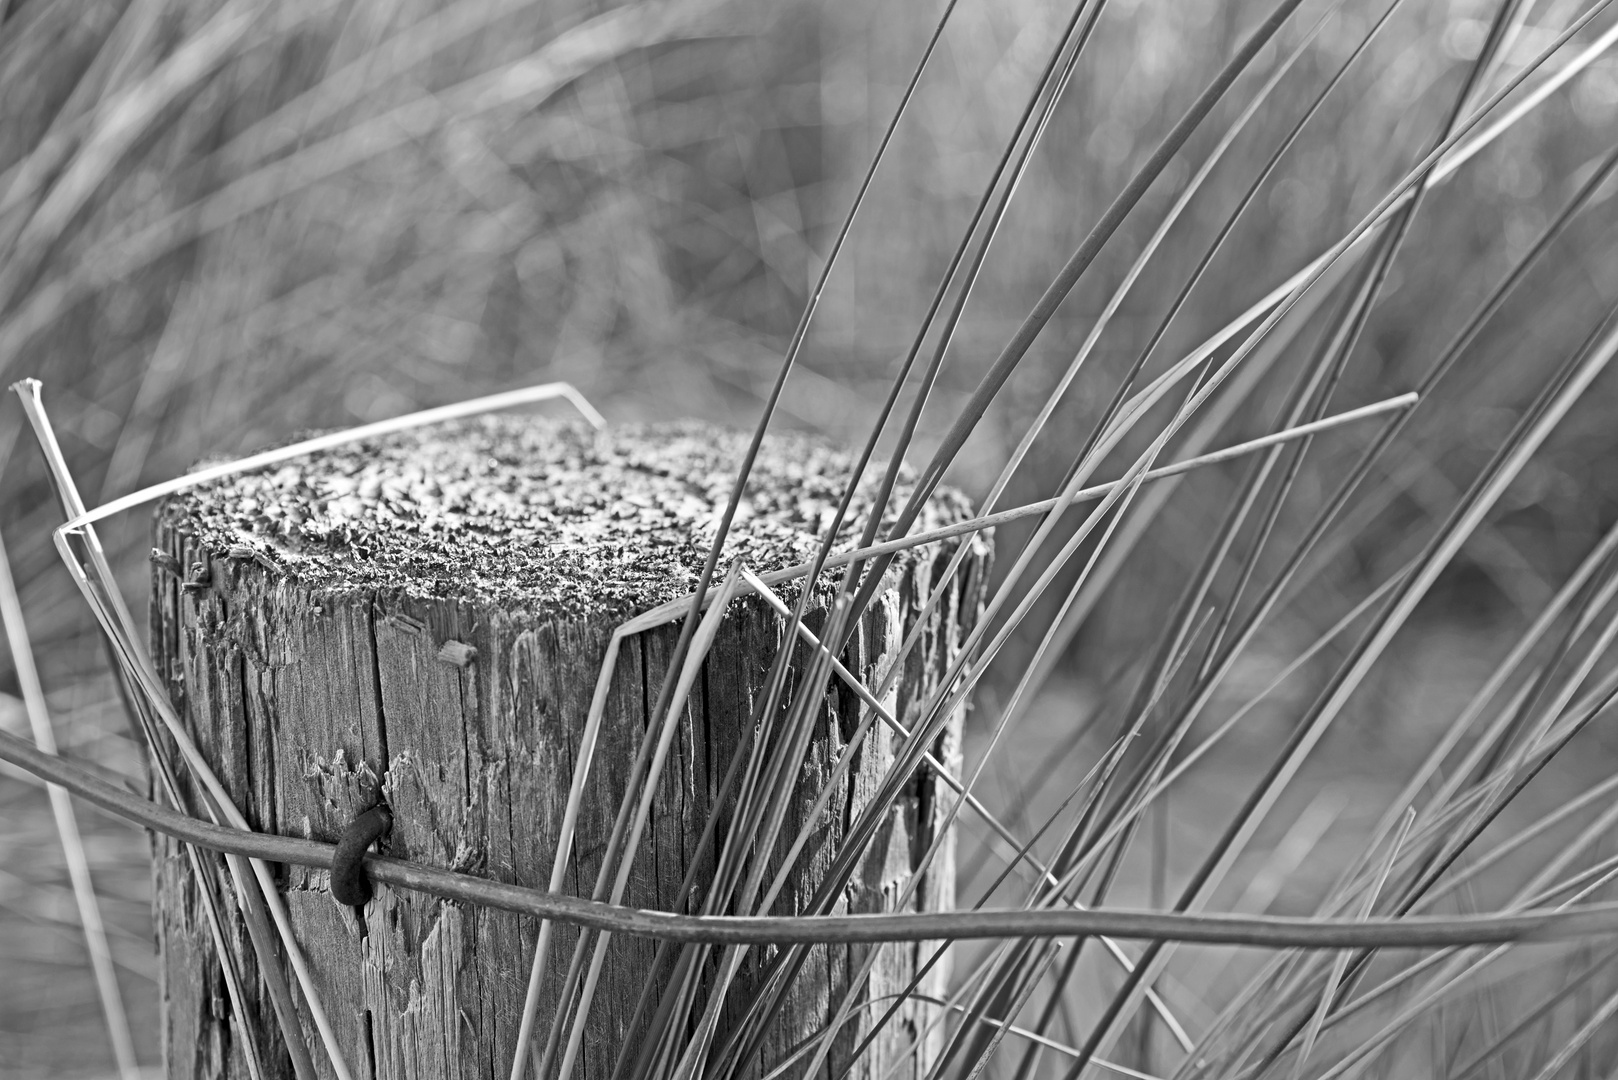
<point x="423" y="618"/>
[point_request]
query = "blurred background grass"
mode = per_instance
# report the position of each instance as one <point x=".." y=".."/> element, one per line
<point x="325" y="212"/>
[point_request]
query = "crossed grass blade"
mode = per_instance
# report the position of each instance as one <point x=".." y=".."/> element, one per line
<point x="1439" y="834"/>
<point x="1436" y="372"/>
<point x="72" y="843"/>
<point x="688" y="627"/>
<point x="1448" y="981"/>
<point x="1068" y="277"/>
<point x="254" y="892"/>
<point x="1053" y="645"/>
<point x="667" y="611"/>
<point x="252" y="882"/>
<point x="1463" y="338"/>
<point x="1340" y="964"/>
<point x="1497" y="97"/>
<point x="1313" y="389"/>
<point x="851" y="999"/>
<point x="1560" y="394"/>
<point x="697" y="651"/>
<point x="1452" y="833"/>
<point x="1176" y="651"/>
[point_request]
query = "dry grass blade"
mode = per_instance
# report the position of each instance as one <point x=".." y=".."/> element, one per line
<point x="475" y="407"/>
<point x="95" y="582"/>
<point x="739" y="485"/>
<point x="1075" y="266"/>
<point x="695" y="655"/>
<point x="67" y="827"/>
<point x="1486" y="1057"/>
<point x="1322" y="726"/>
<point x="985" y="223"/>
<point x="1560" y="396"/>
<point x="1340" y="965"/>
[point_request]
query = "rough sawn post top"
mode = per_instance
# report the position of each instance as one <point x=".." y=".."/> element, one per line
<point x="547" y="516"/>
<point x="427" y="618"/>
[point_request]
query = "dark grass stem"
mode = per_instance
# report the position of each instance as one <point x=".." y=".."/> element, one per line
<point x="1342" y="340"/>
<point x="1075" y="37"/>
<point x="1558" y="395"/>
<point x="738" y="488"/>
<point x="1318" y="528"/>
<point x="1022" y="340"/>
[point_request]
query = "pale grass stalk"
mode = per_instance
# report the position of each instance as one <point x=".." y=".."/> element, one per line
<point x="936" y="704"/>
<point x="764" y="826"/>
<point x="233" y="987"/>
<point x="1439" y="173"/>
<point x="1137" y="267"/>
<point x="963" y="792"/>
<point x="119" y="628"/>
<point x="943" y="700"/>
<point x="667" y="612"/>
<point x="799" y="1052"/>
<point x="698" y="1047"/>
<point x="989" y="963"/>
<point x="1466" y="960"/>
<point x="1546" y="822"/>
<point x="67" y="829"/>
<point x="1436" y="990"/>
<point x="1576" y="1042"/>
<point x="659" y="615"/>
<point x="1340" y="964"/>
<point x="475" y="407"/>
<point x="1601" y="963"/>
<point x="1448" y="793"/>
<point x="1136" y="474"/>
<point x="701" y="642"/>
<point x="1289" y="853"/>
<point x="1410" y="594"/>
<point x="1592" y="832"/>
<point x="1124" y="820"/>
<point x="1542" y="731"/>
<point x="1499" y="674"/>
<point x="935" y="708"/>
<point x="1241" y="385"/>
<point x="1575" y="66"/>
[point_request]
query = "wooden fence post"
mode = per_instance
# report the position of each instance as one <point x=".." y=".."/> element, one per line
<point x="423" y="619"/>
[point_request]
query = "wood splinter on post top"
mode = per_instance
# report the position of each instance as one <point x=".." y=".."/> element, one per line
<point x="417" y="623"/>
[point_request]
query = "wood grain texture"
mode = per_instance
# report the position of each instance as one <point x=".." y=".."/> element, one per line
<point x="318" y="673"/>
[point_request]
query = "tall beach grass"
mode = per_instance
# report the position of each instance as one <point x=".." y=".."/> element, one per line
<point x="1361" y="675"/>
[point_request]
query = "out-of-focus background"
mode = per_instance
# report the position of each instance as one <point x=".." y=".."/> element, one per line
<point x="226" y="223"/>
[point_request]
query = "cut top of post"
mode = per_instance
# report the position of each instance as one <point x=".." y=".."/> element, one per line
<point x="550" y="516"/>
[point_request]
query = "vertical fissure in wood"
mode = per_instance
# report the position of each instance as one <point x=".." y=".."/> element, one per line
<point x="369" y="1029"/>
<point x="386" y="761"/>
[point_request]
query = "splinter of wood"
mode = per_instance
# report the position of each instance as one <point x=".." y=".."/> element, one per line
<point x="349" y="885"/>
